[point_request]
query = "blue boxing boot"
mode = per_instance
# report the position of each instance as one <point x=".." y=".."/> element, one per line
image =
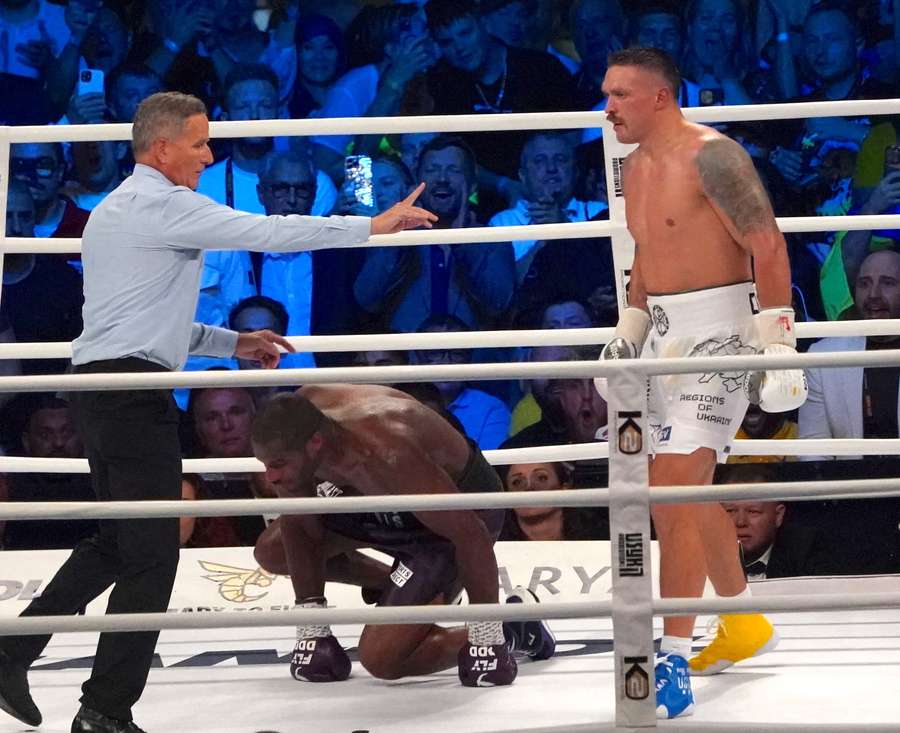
<point x="531" y="638"/>
<point x="673" y="687"/>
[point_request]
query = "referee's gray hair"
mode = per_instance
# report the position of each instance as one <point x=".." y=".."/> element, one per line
<point x="162" y="115"/>
<point x="275" y="158"/>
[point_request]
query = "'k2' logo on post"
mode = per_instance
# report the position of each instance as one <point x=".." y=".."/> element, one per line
<point x="630" y="435"/>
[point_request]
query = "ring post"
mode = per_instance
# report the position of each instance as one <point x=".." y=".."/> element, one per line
<point x="629" y="515"/>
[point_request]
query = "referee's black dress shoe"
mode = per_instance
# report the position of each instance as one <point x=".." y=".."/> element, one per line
<point x="15" y="698"/>
<point x="90" y="721"/>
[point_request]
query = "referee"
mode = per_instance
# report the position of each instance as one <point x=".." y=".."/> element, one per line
<point x="142" y="252"/>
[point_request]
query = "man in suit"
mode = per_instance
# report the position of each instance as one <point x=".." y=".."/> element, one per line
<point x="857" y="402"/>
<point x="773" y="543"/>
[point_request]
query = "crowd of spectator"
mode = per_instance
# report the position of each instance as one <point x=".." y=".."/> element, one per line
<point x="265" y="59"/>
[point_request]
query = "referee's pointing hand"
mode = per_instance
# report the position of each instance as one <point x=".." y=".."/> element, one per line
<point x="261" y="346"/>
<point x="403" y="215"/>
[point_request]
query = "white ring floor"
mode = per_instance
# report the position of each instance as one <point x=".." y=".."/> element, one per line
<point x="832" y="671"/>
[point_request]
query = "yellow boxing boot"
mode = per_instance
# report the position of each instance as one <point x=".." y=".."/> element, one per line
<point x="739" y="637"/>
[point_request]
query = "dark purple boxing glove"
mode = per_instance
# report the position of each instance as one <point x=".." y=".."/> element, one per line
<point x="318" y="656"/>
<point x="485" y="660"/>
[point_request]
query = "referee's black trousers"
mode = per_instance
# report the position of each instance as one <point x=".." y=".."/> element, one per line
<point x="132" y="445"/>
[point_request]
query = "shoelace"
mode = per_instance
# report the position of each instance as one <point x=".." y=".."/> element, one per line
<point x="715" y="625"/>
<point x="660" y="680"/>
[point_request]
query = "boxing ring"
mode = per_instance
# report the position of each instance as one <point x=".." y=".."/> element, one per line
<point x="224" y="669"/>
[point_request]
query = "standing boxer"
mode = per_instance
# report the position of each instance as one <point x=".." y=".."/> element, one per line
<point x="702" y="225"/>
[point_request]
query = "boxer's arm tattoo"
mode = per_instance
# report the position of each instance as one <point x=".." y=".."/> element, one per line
<point x="731" y="182"/>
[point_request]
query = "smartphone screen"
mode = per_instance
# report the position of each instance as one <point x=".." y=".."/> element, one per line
<point x="358" y="170"/>
<point x="90" y="81"/>
<point x="711" y="97"/>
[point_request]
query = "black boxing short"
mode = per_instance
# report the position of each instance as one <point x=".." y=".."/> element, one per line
<point x="424" y="563"/>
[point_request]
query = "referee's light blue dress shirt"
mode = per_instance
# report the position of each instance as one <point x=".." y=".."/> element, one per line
<point x="142" y="251"/>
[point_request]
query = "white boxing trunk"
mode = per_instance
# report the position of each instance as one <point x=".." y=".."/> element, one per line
<point x="691" y="411"/>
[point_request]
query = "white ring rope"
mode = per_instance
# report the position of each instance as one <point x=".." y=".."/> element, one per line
<point x="457" y="123"/>
<point x="792" y="110"/>
<point x="505" y="457"/>
<point x="385" y="341"/>
<point x="786" y="491"/>
<point x="26" y="625"/>
<point x="443" y="372"/>
<point x="418" y="237"/>
<point x="474" y="339"/>
<point x="481" y="235"/>
<point x="23" y="625"/>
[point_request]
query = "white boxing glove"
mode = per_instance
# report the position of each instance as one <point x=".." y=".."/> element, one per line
<point x="627" y="342"/>
<point x="777" y="390"/>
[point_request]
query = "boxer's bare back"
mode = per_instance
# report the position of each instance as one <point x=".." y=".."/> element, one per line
<point x="382" y="428"/>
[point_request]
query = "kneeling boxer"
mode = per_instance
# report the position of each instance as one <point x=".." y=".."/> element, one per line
<point x="364" y="440"/>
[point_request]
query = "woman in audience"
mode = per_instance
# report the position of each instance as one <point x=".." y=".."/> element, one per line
<point x="320" y="60"/>
<point x="718" y="51"/>
<point x="544" y="523"/>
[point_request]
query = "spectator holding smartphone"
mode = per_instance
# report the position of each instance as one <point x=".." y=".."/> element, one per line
<point x="717" y="55"/>
<point x="833" y="42"/>
<point x="233" y="40"/>
<point x="334" y="309"/>
<point x="107" y="40"/>
<point x="392" y="181"/>
<point x="39" y="64"/>
<point x="814" y="164"/>
<point x="168" y="43"/>
<point x="884" y="198"/>
<point x="101" y="165"/>
<point x="388" y="48"/>
<point x="474" y="282"/>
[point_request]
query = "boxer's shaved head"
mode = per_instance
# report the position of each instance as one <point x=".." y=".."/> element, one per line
<point x="652" y="60"/>
<point x="287" y="421"/>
